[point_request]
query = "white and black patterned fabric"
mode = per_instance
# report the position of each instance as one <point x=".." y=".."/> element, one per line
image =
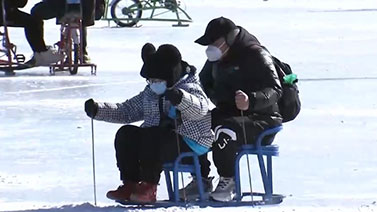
<point x="195" y="116"/>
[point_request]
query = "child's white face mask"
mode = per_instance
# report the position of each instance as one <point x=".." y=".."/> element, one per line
<point x="158" y="87"/>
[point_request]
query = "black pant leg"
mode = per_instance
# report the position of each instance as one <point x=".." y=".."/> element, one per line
<point x="45" y="10"/>
<point x="127" y="141"/>
<point x="42" y="11"/>
<point x="151" y="148"/>
<point x="84" y="39"/>
<point x="33" y="28"/>
<point x="141" y="152"/>
<point x="49" y="9"/>
<point x="229" y="138"/>
<point x="170" y="152"/>
<point x="204" y="165"/>
<point x="88" y="13"/>
<point x="224" y="157"/>
<point x="203" y="160"/>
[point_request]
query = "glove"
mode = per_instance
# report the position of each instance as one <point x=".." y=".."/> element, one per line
<point x="174" y="96"/>
<point x="91" y="108"/>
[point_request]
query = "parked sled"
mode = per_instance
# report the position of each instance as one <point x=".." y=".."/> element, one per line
<point x="127" y="13"/>
<point x="257" y="198"/>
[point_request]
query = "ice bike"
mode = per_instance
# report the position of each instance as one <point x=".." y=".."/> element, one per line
<point x="70" y="45"/>
<point x="127" y="13"/>
<point x="10" y="60"/>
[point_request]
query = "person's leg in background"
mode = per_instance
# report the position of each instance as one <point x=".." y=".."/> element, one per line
<point x="88" y="19"/>
<point x="43" y="55"/>
<point x="33" y="28"/>
<point x="86" y="58"/>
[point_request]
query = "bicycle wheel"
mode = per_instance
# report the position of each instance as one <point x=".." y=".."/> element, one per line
<point x="126" y="13"/>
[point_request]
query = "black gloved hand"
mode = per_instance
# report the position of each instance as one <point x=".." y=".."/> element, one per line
<point x="174" y="96"/>
<point x="91" y="108"/>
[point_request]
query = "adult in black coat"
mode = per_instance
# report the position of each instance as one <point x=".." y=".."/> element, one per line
<point x="33" y="29"/>
<point x="48" y="9"/>
<point x="240" y="79"/>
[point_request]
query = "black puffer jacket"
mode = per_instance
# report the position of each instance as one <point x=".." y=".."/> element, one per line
<point x="247" y="67"/>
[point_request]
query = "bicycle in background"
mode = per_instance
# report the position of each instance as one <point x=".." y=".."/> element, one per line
<point x="127" y="13"/>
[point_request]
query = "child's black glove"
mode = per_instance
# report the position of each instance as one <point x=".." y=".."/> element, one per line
<point x="174" y="96"/>
<point x="91" y="108"/>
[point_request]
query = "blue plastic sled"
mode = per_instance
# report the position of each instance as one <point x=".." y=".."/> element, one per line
<point x="256" y="199"/>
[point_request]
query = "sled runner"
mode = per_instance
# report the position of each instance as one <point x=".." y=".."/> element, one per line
<point x="10" y="60"/>
<point x="127" y="13"/>
<point x="70" y="45"/>
<point x="201" y="204"/>
<point x="257" y="198"/>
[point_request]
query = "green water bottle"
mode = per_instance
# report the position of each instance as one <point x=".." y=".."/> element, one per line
<point x="290" y="79"/>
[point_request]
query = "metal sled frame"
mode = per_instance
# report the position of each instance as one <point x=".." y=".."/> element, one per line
<point x="266" y="198"/>
<point x="9" y="59"/>
<point x="266" y="172"/>
<point x="201" y="204"/>
<point x="70" y="45"/>
<point x="130" y="14"/>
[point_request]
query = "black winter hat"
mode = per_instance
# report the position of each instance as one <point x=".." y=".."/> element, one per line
<point x="216" y="28"/>
<point x="147" y="50"/>
<point x="164" y="64"/>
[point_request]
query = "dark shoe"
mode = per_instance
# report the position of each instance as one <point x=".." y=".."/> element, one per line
<point x="191" y="191"/>
<point x="31" y="63"/>
<point x="225" y="190"/>
<point x="123" y="192"/>
<point x="144" y="193"/>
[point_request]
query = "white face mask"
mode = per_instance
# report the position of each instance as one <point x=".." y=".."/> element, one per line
<point x="213" y="53"/>
<point x="158" y="87"/>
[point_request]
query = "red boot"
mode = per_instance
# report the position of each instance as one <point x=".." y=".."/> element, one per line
<point x="123" y="192"/>
<point x="144" y="193"/>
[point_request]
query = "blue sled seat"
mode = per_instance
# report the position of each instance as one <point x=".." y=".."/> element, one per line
<point x="261" y="151"/>
<point x="177" y="167"/>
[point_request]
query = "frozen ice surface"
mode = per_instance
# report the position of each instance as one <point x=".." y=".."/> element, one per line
<point x="327" y="156"/>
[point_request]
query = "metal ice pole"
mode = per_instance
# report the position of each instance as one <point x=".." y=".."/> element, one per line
<point x="179" y="152"/>
<point x="94" y="166"/>
<point x="247" y="157"/>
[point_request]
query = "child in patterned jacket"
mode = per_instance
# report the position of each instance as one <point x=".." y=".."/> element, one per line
<point x="175" y="114"/>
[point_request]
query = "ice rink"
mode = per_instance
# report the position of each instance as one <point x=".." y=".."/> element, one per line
<point x="328" y="155"/>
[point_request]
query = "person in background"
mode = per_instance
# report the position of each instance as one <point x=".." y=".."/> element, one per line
<point x="42" y="55"/>
<point x="91" y="10"/>
<point x="175" y="115"/>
